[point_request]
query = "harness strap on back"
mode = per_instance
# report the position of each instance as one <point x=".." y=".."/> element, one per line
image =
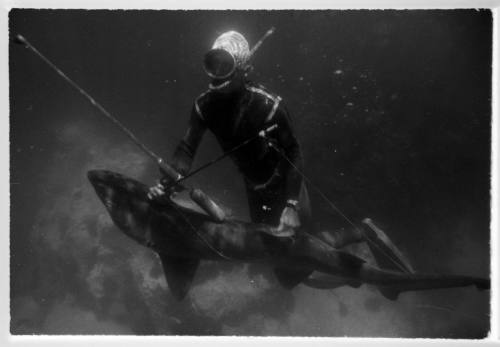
<point x="197" y="107"/>
<point x="273" y="110"/>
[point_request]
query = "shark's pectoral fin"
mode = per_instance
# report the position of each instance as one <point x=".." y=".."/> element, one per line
<point x="179" y="273"/>
<point x="320" y="280"/>
<point x="289" y="278"/>
<point x="389" y="293"/>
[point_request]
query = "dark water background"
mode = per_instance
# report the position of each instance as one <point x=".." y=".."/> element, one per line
<point x="392" y="109"/>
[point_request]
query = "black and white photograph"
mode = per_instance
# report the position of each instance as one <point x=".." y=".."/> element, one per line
<point x="303" y="173"/>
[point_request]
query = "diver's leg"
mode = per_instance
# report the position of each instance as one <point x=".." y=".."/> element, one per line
<point x="261" y="213"/>
<point x="335" y="238"/>
<point x="264" y="205"/>
<point x="386" y="253"/>
<point x="341" y="237"/>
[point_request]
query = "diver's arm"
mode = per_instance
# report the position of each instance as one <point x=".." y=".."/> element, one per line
<point x="183" y="155"/>
<point x="186" y="150"/>
<point x="290" y="148"/>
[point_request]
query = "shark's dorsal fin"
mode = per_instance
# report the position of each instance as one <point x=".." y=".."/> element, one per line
<point x="179" y="273"/>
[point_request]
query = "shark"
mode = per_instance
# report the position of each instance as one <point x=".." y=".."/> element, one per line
<point x="183" y="236"/>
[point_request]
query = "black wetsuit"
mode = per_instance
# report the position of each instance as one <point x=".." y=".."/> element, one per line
<point x="269" y="178"/>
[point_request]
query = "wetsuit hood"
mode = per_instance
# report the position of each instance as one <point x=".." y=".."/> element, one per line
<point x="226" y="60"/>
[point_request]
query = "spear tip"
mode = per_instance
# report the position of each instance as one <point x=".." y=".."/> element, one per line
<point x="19" y="39"/>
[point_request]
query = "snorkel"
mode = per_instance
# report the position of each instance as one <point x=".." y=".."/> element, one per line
<point x="229" y="59"/>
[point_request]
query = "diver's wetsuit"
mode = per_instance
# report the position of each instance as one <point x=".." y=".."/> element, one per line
<point x="236" y="117"/>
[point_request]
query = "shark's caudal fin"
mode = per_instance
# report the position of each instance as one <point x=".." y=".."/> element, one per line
<point x="387" y="255"/>
<point x="179" y="273"/>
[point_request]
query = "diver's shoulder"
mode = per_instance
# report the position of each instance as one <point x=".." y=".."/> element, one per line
<point x="203" y="97"/>
<point x="262" y="92"/>
<point x="268" y="102"/>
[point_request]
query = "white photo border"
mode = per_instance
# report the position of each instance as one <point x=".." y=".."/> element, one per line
<point x="7" y="339"/>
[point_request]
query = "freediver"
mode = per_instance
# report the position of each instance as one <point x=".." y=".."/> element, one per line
<point x="235" y="109"/>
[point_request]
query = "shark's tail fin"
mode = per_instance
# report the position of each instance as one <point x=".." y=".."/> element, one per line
<point x="387" y="255"/>
<point x="412" y="282"/>
<point x="483" y="284"/>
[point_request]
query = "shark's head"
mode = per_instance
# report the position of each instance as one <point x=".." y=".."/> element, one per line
<point x="113" y="188"/>
<point x="103" y="183"/>
<point x="162" y="226"/>
<point x="126" y="201"/>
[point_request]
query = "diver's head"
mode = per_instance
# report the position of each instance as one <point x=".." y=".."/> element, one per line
<point x="227" y="62"/>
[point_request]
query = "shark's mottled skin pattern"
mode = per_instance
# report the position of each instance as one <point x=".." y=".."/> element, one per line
<point x="183" y="237"/>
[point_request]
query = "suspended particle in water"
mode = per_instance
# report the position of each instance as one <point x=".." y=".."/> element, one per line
<point x="266" y="208"/>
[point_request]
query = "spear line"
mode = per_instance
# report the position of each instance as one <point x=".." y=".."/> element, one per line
<point x="197" y="195"/>
<point x="168" y="170"/>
